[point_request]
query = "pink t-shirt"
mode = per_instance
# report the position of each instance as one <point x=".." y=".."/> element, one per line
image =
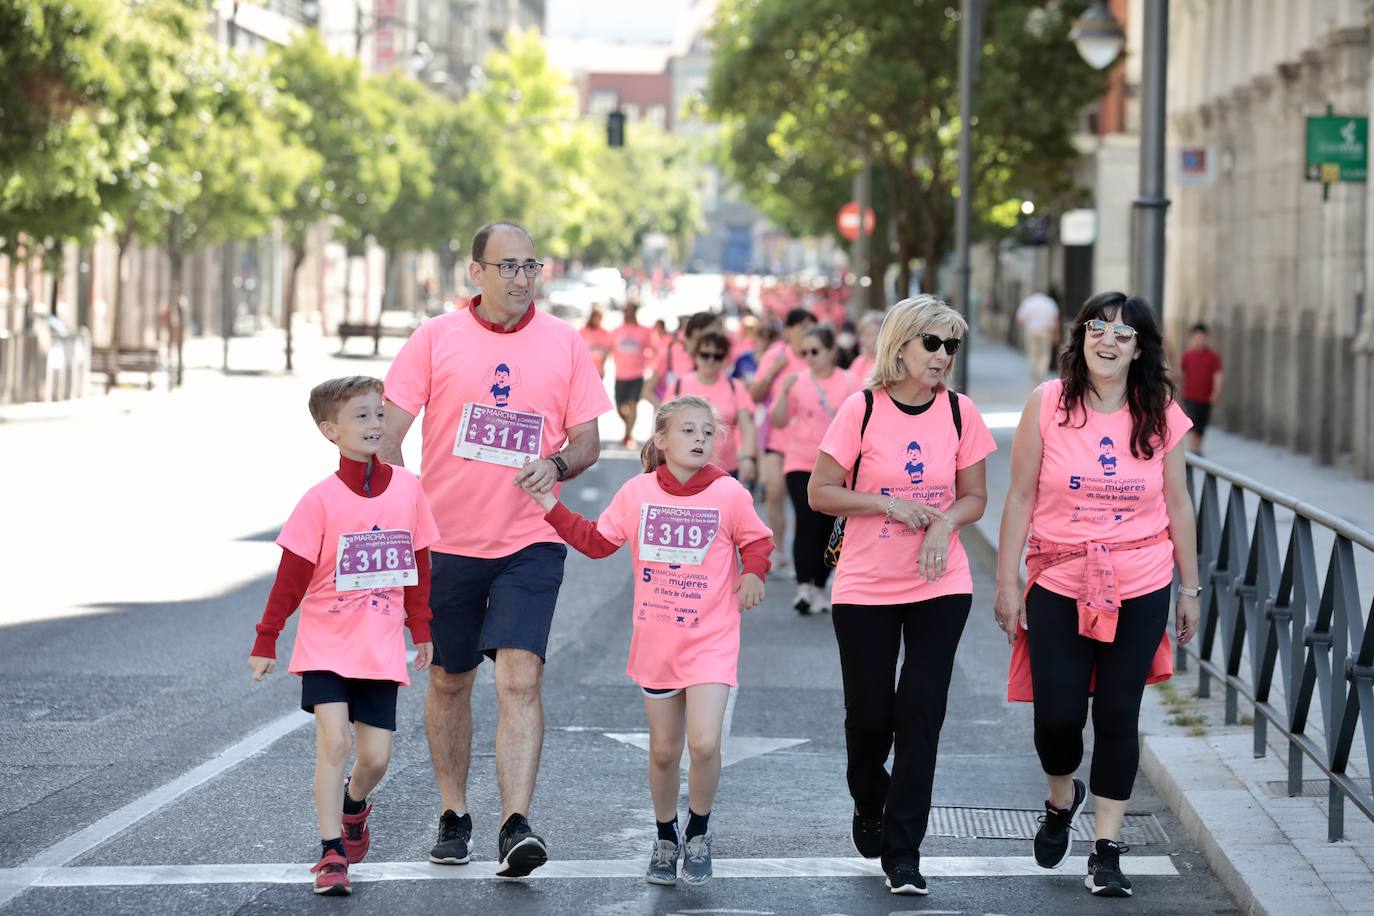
<point x="686" y="613"/>
<point x="673" y="361"/>
<point x="809" y="415"/>
<point x="358" y="632"/>
<point x="630" y="350"/>
<point x="776" y="439"/>
<point x="912" y="457"/>
<point x="598" y="341"/>
<point x="730" y="398"/>
<point x="1092" y="490"/>
<point x="860" y="368"/>
<point x="542" y="370"/>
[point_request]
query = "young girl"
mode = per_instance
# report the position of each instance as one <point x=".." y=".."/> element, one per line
<point x="690" y="524"/>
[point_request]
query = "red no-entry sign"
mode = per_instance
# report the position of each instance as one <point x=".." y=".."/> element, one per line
<point x="847" y="221"/>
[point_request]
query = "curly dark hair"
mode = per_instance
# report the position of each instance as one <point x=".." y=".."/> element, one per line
<point x="1149" y="387"/>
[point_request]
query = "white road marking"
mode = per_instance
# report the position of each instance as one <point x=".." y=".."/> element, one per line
<point x="118" y="821"/>
<point x="299" y="872"/>
<point x="1002" y="419"/>
<point x="732" y="749"/>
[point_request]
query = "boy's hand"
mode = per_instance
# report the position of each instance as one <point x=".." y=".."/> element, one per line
<point x="260" y="666"/>
<point x="750" y="591"/>
<point x="424" y="654"/>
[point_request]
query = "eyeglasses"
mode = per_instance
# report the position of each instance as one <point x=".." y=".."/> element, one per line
<point x="1123" y="333"/>
<point x="812" y="352"/>
<point x="933" y="342"/>
<point x="713" y="357"/>
<point x="508" y="269"/>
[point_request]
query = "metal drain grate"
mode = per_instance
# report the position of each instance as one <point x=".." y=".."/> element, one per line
<point x="1021" y="824"/>
<point x="1311" y="788"/>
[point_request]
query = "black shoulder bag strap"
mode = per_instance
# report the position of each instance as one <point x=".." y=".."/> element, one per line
<point x="954" y="408"/>
<point x="863" y="428"/>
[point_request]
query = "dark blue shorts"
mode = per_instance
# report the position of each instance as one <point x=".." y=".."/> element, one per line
<point x="369" y="702"/>
<point x="483" y="605"/>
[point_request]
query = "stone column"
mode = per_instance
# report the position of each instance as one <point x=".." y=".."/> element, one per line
<point x="1286" y="189"/>
<point x="1306" y="378"/>
<point x="1362" y="351"/>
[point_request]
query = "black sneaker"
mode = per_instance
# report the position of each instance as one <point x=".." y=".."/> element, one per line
<point x="454" y="846"/>
<point x="1052" y="840"/>
<point x="1104" y="870"/>
<point x="906" y="879"/>
<point x="867" y="834"/>
<point x="521" y="851"/>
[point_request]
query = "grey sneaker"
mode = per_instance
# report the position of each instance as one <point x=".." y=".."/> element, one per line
<point x="663" y="863"/>
<point x="696" y="867"/>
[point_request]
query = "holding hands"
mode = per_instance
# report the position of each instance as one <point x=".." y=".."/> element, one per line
<point x="537" y="479"/>
<point x="750" y="591"/>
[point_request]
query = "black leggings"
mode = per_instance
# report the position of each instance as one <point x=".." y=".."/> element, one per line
<point x="877" y="717"/>
<point x="1062" y="662"/>
<point x="813" y="533"/>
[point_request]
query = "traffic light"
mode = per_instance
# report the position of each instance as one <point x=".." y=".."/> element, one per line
<point x="615" y="128"/>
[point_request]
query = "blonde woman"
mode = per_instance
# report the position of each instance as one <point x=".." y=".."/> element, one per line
<point x="903" y="462"/>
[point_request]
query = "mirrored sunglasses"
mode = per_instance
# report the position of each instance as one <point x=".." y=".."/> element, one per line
<point x="1123" y="333"/>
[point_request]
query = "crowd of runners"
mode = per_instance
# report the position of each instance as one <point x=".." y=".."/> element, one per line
<point x="882" y="464"/>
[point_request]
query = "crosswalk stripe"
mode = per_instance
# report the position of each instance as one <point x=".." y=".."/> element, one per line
<point x="298" y="872"/>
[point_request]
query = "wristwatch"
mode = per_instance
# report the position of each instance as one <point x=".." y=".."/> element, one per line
<point x="1193" y="592"/>
<point x="562" y="466"/>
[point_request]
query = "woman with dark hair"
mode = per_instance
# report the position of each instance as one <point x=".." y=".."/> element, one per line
<point x="736" y="450"/>
<point x="1099" y="482"/>
<point x="804" y="408"/>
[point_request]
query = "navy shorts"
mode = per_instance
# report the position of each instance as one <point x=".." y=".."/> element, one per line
<point x="369" y="702"/>
<point x="483" y="605"/>
<point x="628" y="390"/>
<point x="1200" y="413"/>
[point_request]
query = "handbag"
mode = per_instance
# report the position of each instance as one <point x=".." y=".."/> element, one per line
<point x="836" y="542"/>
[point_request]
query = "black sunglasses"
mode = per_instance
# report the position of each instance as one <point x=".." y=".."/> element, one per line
<point x="812" y="352"/>
<point x="933" y="342"/>
<point x="715" y="357"/>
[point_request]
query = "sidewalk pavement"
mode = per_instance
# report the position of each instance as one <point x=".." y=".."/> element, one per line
<point x="1270" y="850"/>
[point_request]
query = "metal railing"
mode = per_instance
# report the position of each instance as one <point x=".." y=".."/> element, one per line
<point x="1265" y="614"/>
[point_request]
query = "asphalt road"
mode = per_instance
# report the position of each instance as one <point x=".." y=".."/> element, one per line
<point x="168" y="508"/>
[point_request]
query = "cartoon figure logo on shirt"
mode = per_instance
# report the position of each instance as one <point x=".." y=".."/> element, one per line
<point x="915" y="464"/>
<point x="502" y="379"/>
<point x="1107" y="459"/>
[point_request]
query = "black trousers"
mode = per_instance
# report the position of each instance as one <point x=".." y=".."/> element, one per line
<point x="813" y="533"/>
<point x="1062" y="664"/>
<point x="878" y="717"/>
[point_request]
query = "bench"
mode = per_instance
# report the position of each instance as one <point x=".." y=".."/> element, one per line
<point x="376" y="331"/>
<point x="112" y="362"/>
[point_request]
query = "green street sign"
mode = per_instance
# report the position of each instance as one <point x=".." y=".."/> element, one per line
<point x="1337" y="149"/>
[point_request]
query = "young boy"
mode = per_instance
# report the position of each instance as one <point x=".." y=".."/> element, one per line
<point x="355" y="559"/>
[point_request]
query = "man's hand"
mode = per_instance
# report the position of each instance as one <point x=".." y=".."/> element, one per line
<point x="750" y="591"/>
<point x="260" y="667"/>
<point x="424" y="654"/>
<point x="538" y="477"/>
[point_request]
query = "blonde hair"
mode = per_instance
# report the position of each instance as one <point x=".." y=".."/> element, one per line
<point x="328" y="398"/>
<point x="649" y="456"/>
<point x="903" y="323"/>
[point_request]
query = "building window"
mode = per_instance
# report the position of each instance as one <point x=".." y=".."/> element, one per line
<point x="602" y="101"/>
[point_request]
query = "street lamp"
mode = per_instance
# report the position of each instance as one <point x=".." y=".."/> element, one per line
<point x="1098" y="36"/>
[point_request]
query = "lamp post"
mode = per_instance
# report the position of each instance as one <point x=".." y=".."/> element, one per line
<point x="970" y="40"/>
<point x="1099" y="38"/>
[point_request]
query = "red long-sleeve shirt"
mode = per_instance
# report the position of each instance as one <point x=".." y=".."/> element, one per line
<point x="581" y="533"/>
<point x="294" y="572"/>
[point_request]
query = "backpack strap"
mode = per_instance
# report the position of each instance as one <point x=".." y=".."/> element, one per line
<point x="958" y="420"/>
<point x="863" y="428"/>
<point x="677" y="387"/>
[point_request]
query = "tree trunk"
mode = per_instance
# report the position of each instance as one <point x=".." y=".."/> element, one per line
<point x="879" y="257"/>
<point x="12" y="294"/>
<point x="117" y="316"/>
<point x="389" y="270"/>
<point x="175" y="317"/>
<point x="289" y="307"/>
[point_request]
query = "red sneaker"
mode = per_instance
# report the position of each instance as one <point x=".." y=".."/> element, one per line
<point x="331" y="875"/>
<point x="356" y="838"/>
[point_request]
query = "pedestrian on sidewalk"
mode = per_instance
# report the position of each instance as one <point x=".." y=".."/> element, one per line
<point x="1201" y="370"/>
<point x="736" y="448"/>
<point x="804" y="410"/>
<point x="690" y="526"/>
<point x="1038" y="316"/>
<point x="511" y="398"/>
<point x="597" y="339"/>
<point x="355" y="549"/>
<point x="780" y="361"/>
<point x="903" y="576"/>
<point x="631" y="343"/>
<point x="1102" y="554"/>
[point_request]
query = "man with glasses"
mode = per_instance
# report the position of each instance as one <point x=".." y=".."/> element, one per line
<point x="510" y="398"/>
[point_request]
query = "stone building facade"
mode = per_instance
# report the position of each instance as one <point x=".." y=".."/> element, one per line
<point x="1278" y="271"/>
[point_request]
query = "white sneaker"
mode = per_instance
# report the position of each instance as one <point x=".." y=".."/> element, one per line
<point x="802" y="603"/>
<point x="820" y="603"/>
